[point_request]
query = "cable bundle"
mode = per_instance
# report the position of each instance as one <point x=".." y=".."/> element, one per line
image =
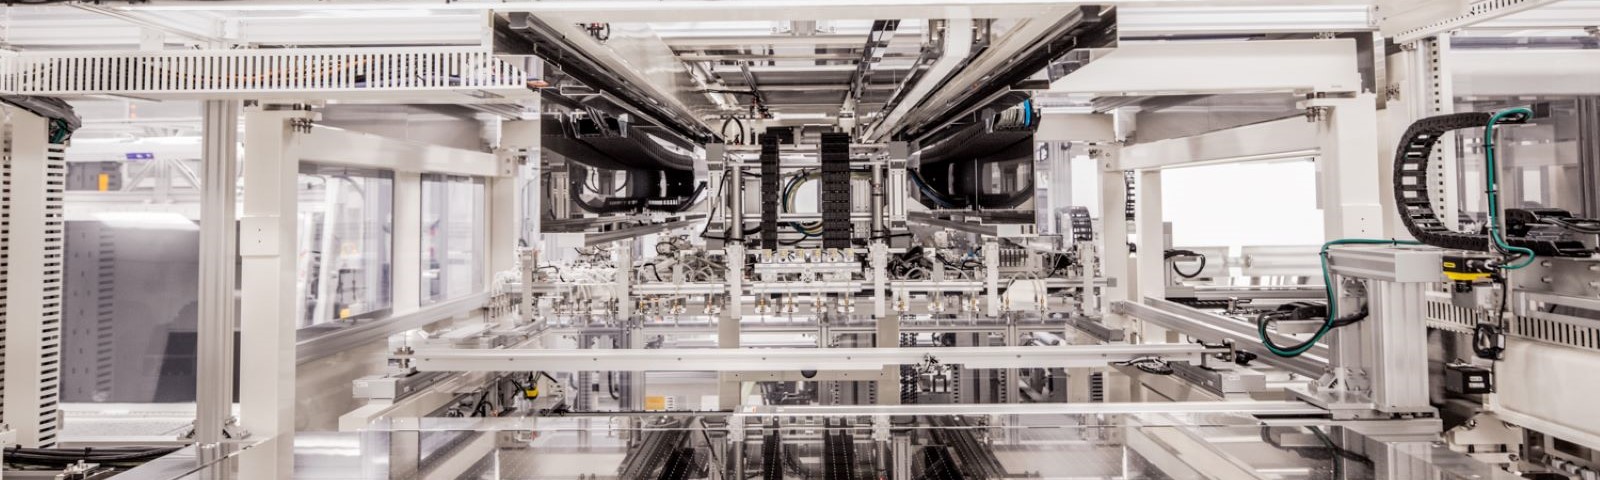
<point x="61" y="457"/>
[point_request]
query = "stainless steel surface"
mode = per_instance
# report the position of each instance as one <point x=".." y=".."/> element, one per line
<point x="1213" y="328"/>
<point x="368" y="331"/>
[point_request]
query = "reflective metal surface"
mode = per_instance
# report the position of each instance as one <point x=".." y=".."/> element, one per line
<point x="1110" y="446"/>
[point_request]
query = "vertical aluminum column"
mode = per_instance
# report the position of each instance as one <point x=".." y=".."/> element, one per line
<point x="33" y="275"/>
<point x="218" y="219"/>
<point x="1589" y="154"/>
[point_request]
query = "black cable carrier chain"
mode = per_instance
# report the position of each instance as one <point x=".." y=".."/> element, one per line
<point x="1411" y="188"/>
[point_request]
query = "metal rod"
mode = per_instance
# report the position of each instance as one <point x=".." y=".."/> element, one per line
<point x="218" y="219"/>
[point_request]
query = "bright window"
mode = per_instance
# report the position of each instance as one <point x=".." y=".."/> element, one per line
<point x="452" y="236"/>
<point x="345" y="244"/>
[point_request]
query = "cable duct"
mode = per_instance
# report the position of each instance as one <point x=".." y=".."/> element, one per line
<point x="953" y="162"/>
<point x="658" y="177"/>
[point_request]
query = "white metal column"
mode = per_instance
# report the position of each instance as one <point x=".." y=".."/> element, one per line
<point x="407" y="280"/>
<point x="268" y="249"/>
<point x="1348" y="134"/>
<point x="1114" y="231"/>
<point x="218" y="222"/>
<point x="504" y="216"/>
<point x="1151" y="267"/>
<point x="33" y="296"/>
<point x="521" y="139"/>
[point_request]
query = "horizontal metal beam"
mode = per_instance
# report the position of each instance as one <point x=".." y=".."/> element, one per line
<point x="592" y="239"/>
<point x="1272" y="408"/>
<point x="796" y="359"/>
<point x="985" y="229"/>
<point x="1211" y="328"/>
<point x="1289" y="138"/>
<point x="1168" y="68"/>
<point x="686" y="42"/>
<point x="1508" y="72"/>
<point x="335" y="146"/>
<point x="369" y="331"/>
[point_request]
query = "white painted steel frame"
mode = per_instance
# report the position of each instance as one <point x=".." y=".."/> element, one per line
<point x="1289" y="138"/>
<point x="749" y="359"/>
<point x="33" y="279"/>
<point x="1194" y="67"/>
<point x="267" y="248"/>
<point x="334" y="146"/>
<point x="1409" y="20"/>
<point x="701" y="10"/>
<point x="1495" y="73"/>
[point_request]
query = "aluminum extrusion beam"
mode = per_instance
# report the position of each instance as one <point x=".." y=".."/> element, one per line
<point x="1213" y="328"/>
<point x="1218" y="67"/>
<point x="362" y="333"/>
<point x="592" y="239"/>
<point x="749" y="359"/>
<point x="1273" y="408"/>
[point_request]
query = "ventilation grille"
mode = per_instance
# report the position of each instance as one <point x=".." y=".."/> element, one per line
<point x="1443" y="315"/>
<point x="213" y="72"/>
<point x="50" y="366"/>
<point x="5" y="253"/>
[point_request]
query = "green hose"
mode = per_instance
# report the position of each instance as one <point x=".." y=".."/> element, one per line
<point x="1333" y="304"/>
<point x="1493" y="186"/>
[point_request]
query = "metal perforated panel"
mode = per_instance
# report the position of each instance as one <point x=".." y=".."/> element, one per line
<point x="1476" y="12"/>
<point x="35" y="172"/>
<point x="1445" y="316"/>
<point x="5" y="254"/>
<point x="210" y="73"/>
<point x="54" y="264"/>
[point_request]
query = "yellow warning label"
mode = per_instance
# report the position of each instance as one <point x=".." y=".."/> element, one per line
<point x="655" y="403"/>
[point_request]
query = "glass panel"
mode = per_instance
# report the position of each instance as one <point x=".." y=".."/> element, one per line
<point x="452" y="236"/>
<point x="345" y="239"/>
<point x="1538" y="161"/>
